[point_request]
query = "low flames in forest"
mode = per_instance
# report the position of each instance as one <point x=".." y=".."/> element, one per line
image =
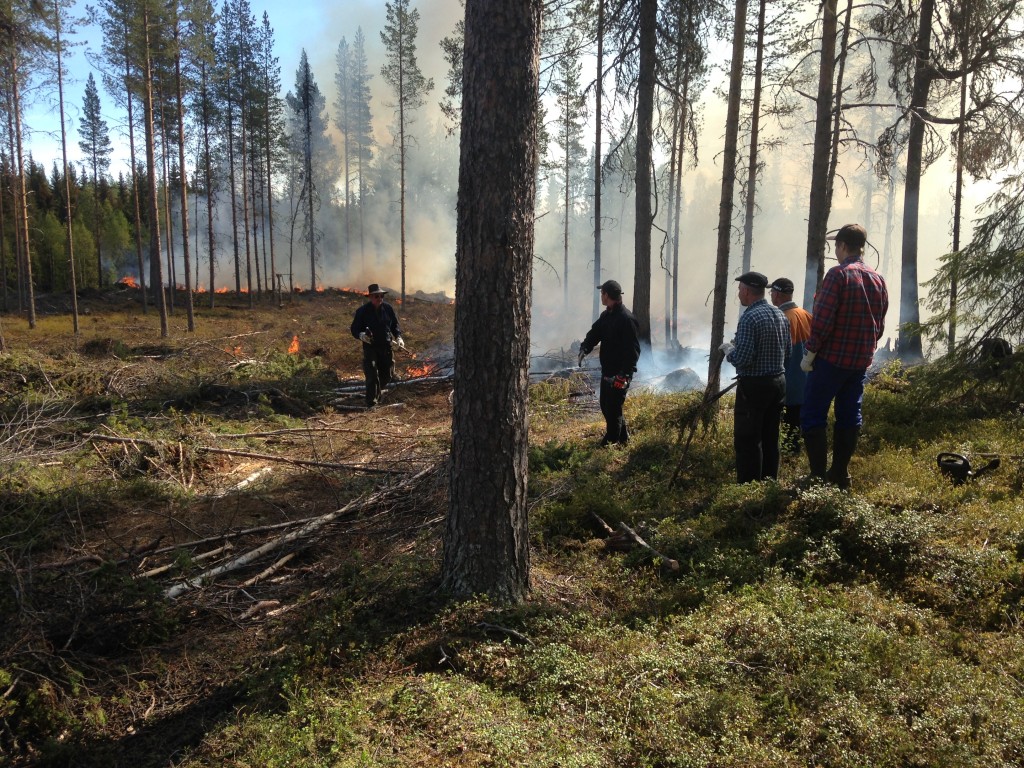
<point x="425" y="367"/>
<point x="293" y="348"/>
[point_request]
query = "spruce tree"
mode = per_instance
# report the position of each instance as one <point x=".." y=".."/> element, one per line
<point x="95" y="144"/>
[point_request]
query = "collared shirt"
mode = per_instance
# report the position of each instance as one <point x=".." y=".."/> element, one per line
<point x="618" y="333"/>
<point x="799" y="332"/>
<point x="762" y="341"/>
<point x="849" y="315"/>
<point x="799" y="321"/>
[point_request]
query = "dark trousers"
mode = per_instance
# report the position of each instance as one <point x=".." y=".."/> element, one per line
<point x="612" y="400"/>
<point x="378" y="369"/>
<point x="759" y="401"/>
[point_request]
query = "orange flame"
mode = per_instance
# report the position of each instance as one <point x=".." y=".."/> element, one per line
<point x="428" y="368"/>
<point x="129" y="281"/>
<point x="221" y="290"/>
<point x="293" y="348"/>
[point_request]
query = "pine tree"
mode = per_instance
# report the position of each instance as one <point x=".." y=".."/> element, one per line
<point x="402" y="73"/>
<point x="95" y="144"/>
<point x="572" y="114"/>
<point x="310" y="136"/>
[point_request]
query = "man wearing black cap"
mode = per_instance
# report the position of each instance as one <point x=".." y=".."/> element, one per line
<point x="618" y="333"/>
<point x="759" y="355"/>
<point x="796" y="378"/>
<point x="376" y="325"/>
<point x="849" y="318"/>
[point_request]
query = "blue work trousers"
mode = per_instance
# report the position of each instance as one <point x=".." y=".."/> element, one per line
<point x="827" y="384"/>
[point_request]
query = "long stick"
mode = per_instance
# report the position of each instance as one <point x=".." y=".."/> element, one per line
<point x="308" y="529"/>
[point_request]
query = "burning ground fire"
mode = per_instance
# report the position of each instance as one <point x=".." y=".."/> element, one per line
<point x="424" y="367"/>
<point x="293" y="348"/>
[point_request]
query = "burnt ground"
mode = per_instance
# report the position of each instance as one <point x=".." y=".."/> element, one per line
<point x="142" y="464"/>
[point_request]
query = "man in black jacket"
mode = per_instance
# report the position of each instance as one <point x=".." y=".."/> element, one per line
<point x="376" y="325"/>
<point x="618" y="333"/>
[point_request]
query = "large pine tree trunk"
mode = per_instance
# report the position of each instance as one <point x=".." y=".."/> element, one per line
<point x="817" y="209"/>
<point x="910" y="340"/>
<point x="732" y="122"/>
<point x="487" y="542"/>
<point x="644" y="168"/>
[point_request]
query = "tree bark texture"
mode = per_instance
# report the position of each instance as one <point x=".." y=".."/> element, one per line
<point x="732" y="121"/>
<point x="817" y="208"/>
<point x="486" y="544"/>
<point x="644" y="167"/>
<point x="909" y="340"/>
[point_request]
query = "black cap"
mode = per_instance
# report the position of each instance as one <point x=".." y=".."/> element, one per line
<point x="852" y="234"/>
<point x="783" y="285"/>
<point x="375" y="289"/>
<point x="612" y="288"/>
<point x="753" y="279"/>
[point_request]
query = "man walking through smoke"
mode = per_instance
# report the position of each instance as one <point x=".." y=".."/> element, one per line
<point x="376" y="325"/>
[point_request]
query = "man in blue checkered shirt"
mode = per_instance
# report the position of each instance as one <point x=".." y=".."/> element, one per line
<point x="762" y="346"/>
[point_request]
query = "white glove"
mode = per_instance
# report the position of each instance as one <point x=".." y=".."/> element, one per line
<point x="582" y="357"/>
<point x="401" y="342"/>
<point x="726" y="348"/>
<point x="365" y="338"/>
<point x="807" y="364"/>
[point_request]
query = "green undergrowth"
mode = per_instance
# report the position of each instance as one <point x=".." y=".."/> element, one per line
<point x="800" y="626"/>
<point x="803" y="625"/>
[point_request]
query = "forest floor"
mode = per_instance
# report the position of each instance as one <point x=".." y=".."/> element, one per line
<point x="211" y="553"/>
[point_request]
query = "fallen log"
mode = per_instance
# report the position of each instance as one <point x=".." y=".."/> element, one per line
<point x="292" y="537"/>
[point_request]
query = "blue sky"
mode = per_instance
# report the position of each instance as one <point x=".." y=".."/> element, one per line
<point x="314" y="25"/>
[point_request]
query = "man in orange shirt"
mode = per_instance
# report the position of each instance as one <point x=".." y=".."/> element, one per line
<point x="796" y="378"/>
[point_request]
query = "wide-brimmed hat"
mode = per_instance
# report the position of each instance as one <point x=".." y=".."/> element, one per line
<point x="782" y="285"/>
<point x="852" y="234"/>
<point x="611" y="287"/>
<point x="753" y="279"/>
<point x="375" y="289"/>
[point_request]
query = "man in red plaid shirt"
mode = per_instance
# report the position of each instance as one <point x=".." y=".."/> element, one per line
<point x="849" y="317"/>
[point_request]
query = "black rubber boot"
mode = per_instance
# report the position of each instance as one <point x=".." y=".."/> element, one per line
<point x="816" y="443"/>
<point x="844" y="443"/>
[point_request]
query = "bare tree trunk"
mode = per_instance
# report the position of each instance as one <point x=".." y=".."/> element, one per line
<point x="234" y="201"/>
<point x="135" y="194"/>
<point x="155" y="266"/>
<point x="644" y="167"/>
<point x="752" y="158"/>
<point x="958" y="194"/>
<point x="817" y="209"/>
<point x="4" y="178"/>
<point x="244" y="152"/>
<point x="185" y="256"/>
<point x="598" y="128"/>
<point x="15" y="188"/>
<point x="30" y="296"/>
<point x="732" y="126"/>
<point x="837" y="110"/>
<point x="70" y="244"/>
<point x="910" y="339"/>
<point x="487" y="539"/>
